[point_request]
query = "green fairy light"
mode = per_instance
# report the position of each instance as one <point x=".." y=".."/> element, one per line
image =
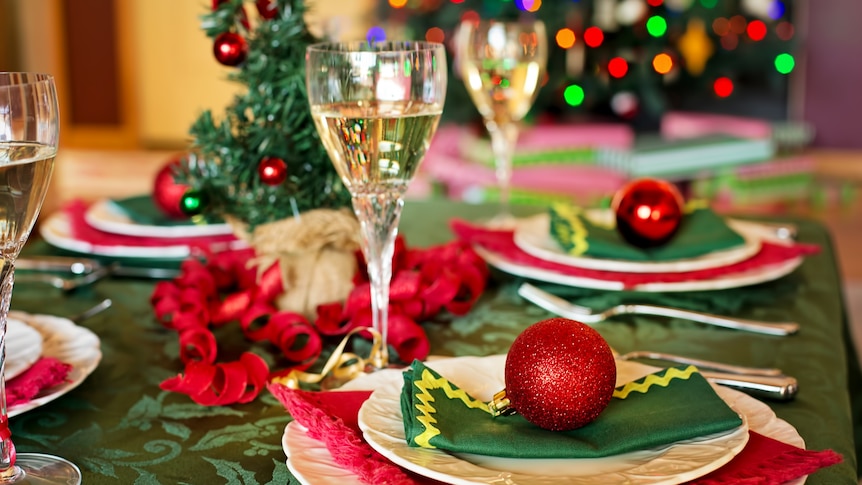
<point x="656" y="26"/>
<point x="574" y="95"/>
<point x="784" y="63"/>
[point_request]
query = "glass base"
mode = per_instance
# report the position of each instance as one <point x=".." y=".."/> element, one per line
<point x="40" y="469"/>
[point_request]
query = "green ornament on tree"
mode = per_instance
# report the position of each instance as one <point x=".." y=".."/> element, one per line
<point x="192" y="203"/>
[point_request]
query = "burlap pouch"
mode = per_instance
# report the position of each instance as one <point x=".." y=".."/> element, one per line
<point x="316" y="253"/>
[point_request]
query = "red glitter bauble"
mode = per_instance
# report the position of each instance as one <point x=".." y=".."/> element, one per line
<point x="560" y="374"/>
<point x="167" y="193"/>
<point x="230" y="49"/>
<point x="272" y="171"/>
<point x="648" y="212"/>
<point x="267" y="9"/>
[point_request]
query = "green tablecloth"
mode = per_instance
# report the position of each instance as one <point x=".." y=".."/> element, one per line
<point x="119" y="427"/>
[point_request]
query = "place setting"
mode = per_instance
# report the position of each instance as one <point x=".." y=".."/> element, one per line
<point x="47" y="357"/>
<point x="581" y="420"/>
<point x="675" y="246"/>
<point x="155" y="228"/>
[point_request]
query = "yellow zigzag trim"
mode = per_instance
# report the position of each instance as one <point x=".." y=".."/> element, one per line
<point x="654" y="380"/>
<point x="426" y="408"/>
<point x="574" y="234"/>
<point x="695" y="204"/>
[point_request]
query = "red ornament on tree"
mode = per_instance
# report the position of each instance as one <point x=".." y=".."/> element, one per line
<point x="167" y="193"/>
<point x="272" y="170"/>
<point x="648" y="211"/>
<point x="560" y="374"/>
<point x="267" y="9"/>
<point x="230" y="48"/>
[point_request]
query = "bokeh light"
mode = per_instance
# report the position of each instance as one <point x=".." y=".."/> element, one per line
<point x="756" y="30"/>
<point x="528" y="5"/>
<point x="784" y="63"/>
<point x="738" y="24"/>
<point x="397" y="3"/>
<point x="721" y="26"/>
<point x="785" y="30"/>
<point x="656" y="26"/>
<point x="565" y="38"/>
<point x="625" y="104"/>
<point x="574" y="95"/>
<point x="776" y="10"/>
<point x="618" y="67"/>
<point x="662" y="63"/>
<point x="594" y="36"/>
<point x="375" y="34"/>
<point x="654" y="3"/>
<point x="471" y="16"/>
<point x="723" y="87"/>
<point x="435" y="34"/>
<point x="729" y="41"/>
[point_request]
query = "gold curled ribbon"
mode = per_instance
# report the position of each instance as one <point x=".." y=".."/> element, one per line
<point x="341" y="366"/>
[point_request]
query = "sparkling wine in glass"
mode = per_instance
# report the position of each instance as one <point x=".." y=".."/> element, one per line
<point x="376" y="107"/>
<point x="29" y="131"/>
<point x="503" y="66"/>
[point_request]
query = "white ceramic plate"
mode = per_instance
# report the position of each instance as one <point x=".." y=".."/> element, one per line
<point x="55" y="230"/>
<point x="382" y="425"/>
<point x="533" y="236"/>
<point x="311" y="463"/>
<point x="23" y="347"/>
<point x="735" y="280"/>
<point x="66" y="342"/>
<point x="104" y="215"/>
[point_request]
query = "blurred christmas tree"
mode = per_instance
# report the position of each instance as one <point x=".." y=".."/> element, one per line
<point x="262" y="161"/>
<point x="632" y="59"/>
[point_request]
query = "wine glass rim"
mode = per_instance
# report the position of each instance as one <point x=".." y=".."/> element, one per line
<point x="395" y="46"/>
<point x="21" y="78"/>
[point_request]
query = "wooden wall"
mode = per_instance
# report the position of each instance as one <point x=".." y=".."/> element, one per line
<point x="136" y="73"/>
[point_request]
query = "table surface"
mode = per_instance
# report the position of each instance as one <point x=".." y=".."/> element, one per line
<point x="119" y="427"/>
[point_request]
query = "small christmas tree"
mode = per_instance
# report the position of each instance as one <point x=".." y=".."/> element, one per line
<point x="262" y="166"/>
<point x="262" y="161"/>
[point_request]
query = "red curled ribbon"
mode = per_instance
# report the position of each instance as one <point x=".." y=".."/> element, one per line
<point x="223" y="287"/>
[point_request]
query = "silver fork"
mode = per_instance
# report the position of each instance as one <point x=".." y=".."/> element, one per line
<point x="769" y="383"/>
<point x="563" y="308"/>
<point x="69" y="283"/>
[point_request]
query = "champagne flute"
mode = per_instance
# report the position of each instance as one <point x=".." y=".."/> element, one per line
<point x="376" y="107"/>
<point x="29" y="132"/>
<point x="503" y="65"/>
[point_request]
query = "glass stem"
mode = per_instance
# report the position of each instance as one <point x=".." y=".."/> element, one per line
<point x="504" y="137"/>
<point x="378" y="216"/>
<point x="8" y="470"/>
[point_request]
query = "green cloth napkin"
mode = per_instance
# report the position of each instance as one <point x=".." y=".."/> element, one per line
<point x="668" y="406"/>
<point x="701" y="231"/>
<point x="143" y="210"/>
